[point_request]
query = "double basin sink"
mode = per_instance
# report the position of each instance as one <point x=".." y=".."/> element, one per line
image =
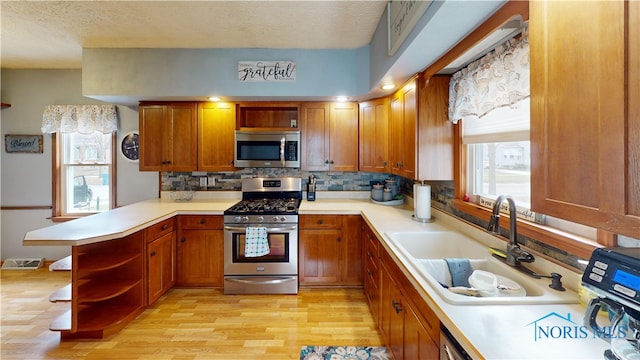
<point x="426" y="252"/>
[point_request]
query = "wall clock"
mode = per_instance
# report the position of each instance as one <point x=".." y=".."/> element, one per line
<point x="130" y="146"/>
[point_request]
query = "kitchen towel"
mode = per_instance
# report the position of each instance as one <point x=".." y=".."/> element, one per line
<point x="256" y="242"/>
<point x="460" y="270"/>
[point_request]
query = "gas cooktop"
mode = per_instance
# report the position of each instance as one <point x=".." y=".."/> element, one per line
<point x="265" y="207"/>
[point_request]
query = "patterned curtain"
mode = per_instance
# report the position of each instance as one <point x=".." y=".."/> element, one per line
<point x="498" y="79"/>
<point x="84" y="119"/>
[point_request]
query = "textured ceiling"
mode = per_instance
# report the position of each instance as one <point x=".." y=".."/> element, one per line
<point x="51" y="34"/>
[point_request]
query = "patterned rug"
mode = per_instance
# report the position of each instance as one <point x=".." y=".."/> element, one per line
<point x="344" y="353"/>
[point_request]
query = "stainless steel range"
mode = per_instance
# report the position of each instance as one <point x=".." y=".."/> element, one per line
<point x="261" y="238"/>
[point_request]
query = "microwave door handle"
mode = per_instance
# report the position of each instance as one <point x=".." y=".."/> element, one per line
<point x="282" y="143"/>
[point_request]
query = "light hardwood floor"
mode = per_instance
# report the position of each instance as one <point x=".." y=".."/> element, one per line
<point x="186" y="323"/>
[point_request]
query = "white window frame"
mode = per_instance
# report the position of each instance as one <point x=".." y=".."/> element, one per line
<point x="61" y="181"/>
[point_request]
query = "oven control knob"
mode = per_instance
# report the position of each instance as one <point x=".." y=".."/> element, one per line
<point x="245" y="219"/>
<point x="260" y="219"/>
<point x="238" y="219"/>
<point x="275" y="219"/>
<point x="283" y="218"/>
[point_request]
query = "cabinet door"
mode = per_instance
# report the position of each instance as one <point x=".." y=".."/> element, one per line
<point x="216" y="134"/>
<point x="152" y="137"/>
<point x="343" y="154"/>
<point x="371" y="272"/>
<point x="583" y="161"/>
<point x="319" y="258"/>
<point x="403" y="135"/>
<point x="183" y="132"/>
<point x="374" y="135"/>
<point x="200" y="258"/>
<point x="435" y="131"/>
<point x="409" y="126"/>
<point x="314" y="129"/>
<point x="391" y="314"/>
<point x="161" y="257"/>
<point x="395" y="134"/>
<point x="168" y="137"/>
<point x="351" y="251"/>
<point x="417" y="342"/>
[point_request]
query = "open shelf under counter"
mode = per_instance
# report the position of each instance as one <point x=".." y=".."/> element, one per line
<point x="63" y="264"/>
<point x="93" y="291"/>
<point x="101" y="262"/>
<point x="62" y="295"/>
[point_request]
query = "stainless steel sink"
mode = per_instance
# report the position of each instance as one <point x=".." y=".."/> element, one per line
<point x="425" y="252"/>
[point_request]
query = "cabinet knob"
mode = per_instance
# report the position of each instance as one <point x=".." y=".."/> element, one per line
<point x="165" y="226"/>
<point x="203" y="221"/>
<point x="326" y="161"/>
<point x="339" y="239"/>
<point x="153" y="253"/>
<point x="320" y="222"/>
<point x="183" y="240"/>
<point x="396" y="306"/>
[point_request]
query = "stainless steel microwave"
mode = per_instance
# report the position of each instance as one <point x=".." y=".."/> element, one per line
<point x="267" y="149"/>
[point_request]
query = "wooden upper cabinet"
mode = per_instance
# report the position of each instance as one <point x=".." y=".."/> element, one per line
<point x="374" y="135"/>
<point x="168" y="137"/>
<point x="585" y="142"/>
<point x="344" y="137"/>
<point x="329" y="135"/>
<point x="403" y="134"/>
<point x="435" y="131"/>
<point x="216" y="127"/>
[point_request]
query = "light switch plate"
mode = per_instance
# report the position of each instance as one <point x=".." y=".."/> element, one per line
<point x="203" y="182"/>
<point x="294" y="123"/>
<point x="212" y="181"/>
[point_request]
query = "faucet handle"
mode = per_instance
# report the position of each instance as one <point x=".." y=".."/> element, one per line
<point x="520" y="255"/>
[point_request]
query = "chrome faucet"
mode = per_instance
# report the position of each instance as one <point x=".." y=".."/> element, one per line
<point x="515" y="255"/>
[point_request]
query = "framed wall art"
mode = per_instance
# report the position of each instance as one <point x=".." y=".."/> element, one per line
<point x="23" y="144"/>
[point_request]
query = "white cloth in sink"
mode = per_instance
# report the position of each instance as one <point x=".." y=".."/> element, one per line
<point x="439" y="269"/>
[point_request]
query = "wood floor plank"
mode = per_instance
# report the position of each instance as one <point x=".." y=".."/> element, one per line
<point x="185" y="324"/>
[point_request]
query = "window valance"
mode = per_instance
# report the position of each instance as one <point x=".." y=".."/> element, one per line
<point x="498" y="79"/>
<point x="84" y="119"/>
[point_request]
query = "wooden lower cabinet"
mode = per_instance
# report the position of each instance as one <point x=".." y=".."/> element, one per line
<point x="200" y="253"/>
<point x="160" y="239"/>
<point x="330" y="250"/>
<point x="408" y="326"/>
<point x="371" y="274"/>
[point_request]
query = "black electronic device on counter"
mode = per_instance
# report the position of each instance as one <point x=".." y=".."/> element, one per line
<point x="311" y="188"/>
<point x="615" y="272"/>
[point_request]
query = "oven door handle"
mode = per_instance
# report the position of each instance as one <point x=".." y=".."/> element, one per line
<point x="269" y="229"/>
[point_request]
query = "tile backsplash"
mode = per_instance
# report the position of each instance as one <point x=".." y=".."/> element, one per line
<point x="441" y="196"/>
<point x="229" y="181"/>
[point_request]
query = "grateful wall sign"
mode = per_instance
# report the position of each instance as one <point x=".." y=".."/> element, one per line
<point x="23" y="143"/>
<point x="257" y="71"/>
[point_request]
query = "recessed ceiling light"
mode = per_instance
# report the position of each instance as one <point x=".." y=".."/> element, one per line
<point x="214" y="98"/>
<point x="388" y="86"/>
<point x="342" y="98"/>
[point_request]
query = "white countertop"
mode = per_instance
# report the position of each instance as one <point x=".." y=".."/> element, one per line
<point x="485" y="331"/>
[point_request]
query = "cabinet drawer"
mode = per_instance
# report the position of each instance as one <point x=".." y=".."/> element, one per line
<point x="157" y="230"/>
<point x="320" y="221"/>
<point x="212" y="222"/>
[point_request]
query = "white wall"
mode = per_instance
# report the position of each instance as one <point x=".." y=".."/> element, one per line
<point x="26" y="178"/>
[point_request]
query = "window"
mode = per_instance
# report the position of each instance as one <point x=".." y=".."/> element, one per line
<point x="85" y="172"/>
<point x="499" y="153"/>
<point x="83" y="154"/>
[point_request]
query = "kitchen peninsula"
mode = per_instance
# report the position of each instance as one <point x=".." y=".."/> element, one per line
<point x="485" y="331"/>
